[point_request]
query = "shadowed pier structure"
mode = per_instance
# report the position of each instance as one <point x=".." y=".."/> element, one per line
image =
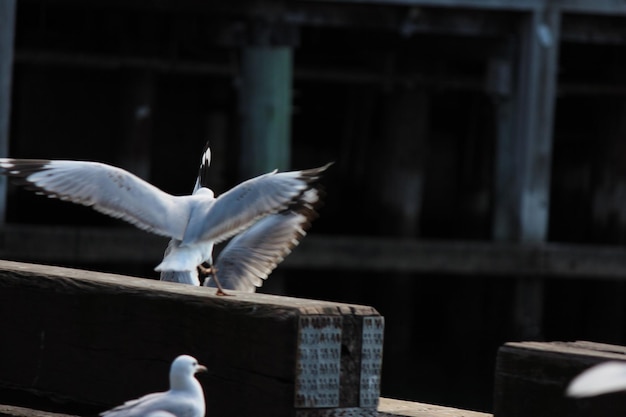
<point x="100" y="339"/>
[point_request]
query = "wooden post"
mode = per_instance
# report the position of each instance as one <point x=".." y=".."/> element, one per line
<point x="101" y="339"/>
<point x="7" y="36"/>
<point x="524" y="153"/>
<point x="399" y="181"/>
<point x="265" y="109"/>
<point x="531" y="378"/>
<point x="402" y="154"/>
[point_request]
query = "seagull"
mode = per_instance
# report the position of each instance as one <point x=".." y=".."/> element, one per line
<point x="599" y="379"/>
<point x="196" y="221"/>
<point x="184" y="398"/>
<point x="253" y="254"/>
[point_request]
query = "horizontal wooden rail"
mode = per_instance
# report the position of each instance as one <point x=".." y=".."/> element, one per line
<point x="83" y="245"/>
<point x="101" y="339"/>
<point x="387" y="408"/>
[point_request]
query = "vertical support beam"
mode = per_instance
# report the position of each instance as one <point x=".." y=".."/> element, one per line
<point x="401" y="158"/>
<point x="265" y="108"/>
<point x="537" y="95"/>
<point x="524" y="155"/>
<point x="137" y="115"/>
<point x="7" y="37"/>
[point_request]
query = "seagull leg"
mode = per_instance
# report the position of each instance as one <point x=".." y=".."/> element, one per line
<point x="211" y="270"/>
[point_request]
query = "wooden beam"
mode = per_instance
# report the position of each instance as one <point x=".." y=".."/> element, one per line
<point x="531" y="378"/>
<point x="600" y="7"/>
<point x="101" y="339"/>
<point x="524" y="143"/>
<point x="387" y="408"/>
<point x="106" y="246"/>
<point x="13" y="411"/>
<point x="397" y="408"/>
<point x="501" y="260"/>
<point x="402" y="158"/>
<point x="524" y="155"/>
<point x="7" y="40"/>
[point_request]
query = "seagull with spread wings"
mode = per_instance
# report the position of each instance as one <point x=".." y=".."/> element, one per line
<point x="247" y="260"/>
<point x="196" y="221"/>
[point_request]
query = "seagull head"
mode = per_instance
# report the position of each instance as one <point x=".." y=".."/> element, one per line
<point x="182" y="371"/>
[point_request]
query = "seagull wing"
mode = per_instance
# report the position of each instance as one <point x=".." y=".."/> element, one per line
<point x="243" y="205"/>
<point x="253" y="254"/>
<point x="135" y="407"/>
<point x="109" y="190"/>
<point x="177" y="404"/>
<point x="599" y="379"/>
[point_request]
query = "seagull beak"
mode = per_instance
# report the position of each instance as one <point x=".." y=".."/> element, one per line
<point x="201" y="368"/>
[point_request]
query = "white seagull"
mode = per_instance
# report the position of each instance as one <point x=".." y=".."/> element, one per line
<point x="600" y="379"/>
<point x="184" y="398"/>
<point x="196" y="221"/>
<point x="253" y="254"/>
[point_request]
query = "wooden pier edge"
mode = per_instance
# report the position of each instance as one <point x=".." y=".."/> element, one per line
<point x="90" y="338"/>
<point x="387" y="408"/>
<point x="531" y="379"/>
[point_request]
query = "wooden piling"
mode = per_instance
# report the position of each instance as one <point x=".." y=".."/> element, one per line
<point x="265" y="109"/>
<point x="531" y="378"/>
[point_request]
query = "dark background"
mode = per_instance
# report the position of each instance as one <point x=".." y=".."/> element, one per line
<point x="79" y="67"/>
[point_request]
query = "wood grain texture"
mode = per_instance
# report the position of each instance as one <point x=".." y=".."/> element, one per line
<point x="531" y="378"/>
<point x="396" y="408"/>
<point x="101" y="339"/>
<point x="12" y="411"/>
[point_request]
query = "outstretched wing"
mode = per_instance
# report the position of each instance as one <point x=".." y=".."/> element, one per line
<point x="109" y="190"/>
<point x="252" y="255"/>
<point x="243" y="205"/>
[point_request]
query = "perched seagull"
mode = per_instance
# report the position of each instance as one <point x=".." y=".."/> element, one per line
<point x="196" y="221"/>
<point x="253" y="254"/>
<point x="184" y="398"/>
<point x="599" y="379"/>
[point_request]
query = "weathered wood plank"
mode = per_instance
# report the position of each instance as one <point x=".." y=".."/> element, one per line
<point x="12" y="411"/>
<point x="574" y="6"/>
<point x="387" y="408"/>
<point x="93" y="338"/>
<point x="531" y="378"/>
<point x="391" y="408"/>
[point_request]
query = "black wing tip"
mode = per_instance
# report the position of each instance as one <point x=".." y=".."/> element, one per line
<point x="314" y="174"/>
<point x="18" y="170"/>
<point x="203" y="171"/>
<point x="22" y="167"/>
